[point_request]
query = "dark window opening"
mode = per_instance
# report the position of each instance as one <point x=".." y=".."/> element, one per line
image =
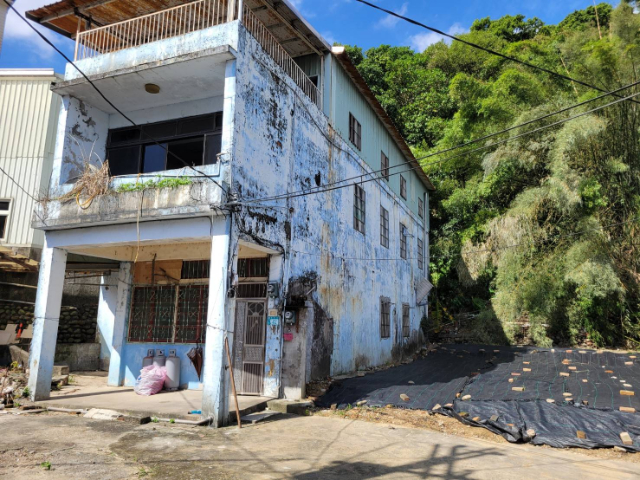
<point x="171" y="145"/>
<point x="384" y="227"/>
<point x="406" y="325"/>
<point x="355" y="132"/>
<point x="359" y="209"/>
<point x="403" y="241"/>
<point x="384" y="166"/>
<point x="385" y="317"/>
<point x="195" y="269"/>
<point x="403" y="187"/>
<point x="253" y="267"/>
<point x="421" y="208"/>
<point x="420" y="254"/>
<point x="4" y="217"/>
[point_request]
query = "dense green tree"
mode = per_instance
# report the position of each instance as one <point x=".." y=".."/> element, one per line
<point x="541" y="230"/>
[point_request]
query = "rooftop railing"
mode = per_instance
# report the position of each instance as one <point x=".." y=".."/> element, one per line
<point x="172" y="22"/>
<point x="183" y="19"/>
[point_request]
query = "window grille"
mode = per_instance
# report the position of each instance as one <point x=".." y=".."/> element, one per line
<point x="403" y="241"/>
<point x="251" y="290"/>
<point x="421" y="208"/>
<point x="406" y="326"/>
<point x="403" y="187"/>
<point x="355" y="132"/>
<point x="168" y="313"/>
<point x="420" y="254"/>
<point x="359" y="209"/>
<point x="384" y="227"/>
<point x="253" y="267"/>
<point x="384" y="166"/>
<point x="195" y="269"/>
<point x="385" y="317"/>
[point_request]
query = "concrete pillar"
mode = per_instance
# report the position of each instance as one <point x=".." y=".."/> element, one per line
<point x="216" y="375"/>
<point x="273" y="352"/>
<point x="46" y="317"/>
<point x="113" y="310"/>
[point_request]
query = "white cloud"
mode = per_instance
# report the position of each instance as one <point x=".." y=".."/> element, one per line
<point x="17" y="29"/>
<point x="389" y="21"/>
<point x="421" y="41"/>
<point x="328" y="36"/>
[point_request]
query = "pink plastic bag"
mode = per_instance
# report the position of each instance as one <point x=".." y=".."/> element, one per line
<point x="150" y="381"/>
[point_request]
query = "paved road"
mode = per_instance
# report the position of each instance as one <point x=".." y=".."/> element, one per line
<point x="290" y="447"/>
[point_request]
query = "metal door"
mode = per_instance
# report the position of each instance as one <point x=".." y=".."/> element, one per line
<point x="251" y="330"/>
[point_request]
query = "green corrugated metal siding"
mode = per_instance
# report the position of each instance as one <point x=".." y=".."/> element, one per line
<point x="28" y="122"/>
<point x="375" y="138"/>
<point x="310" y="64"/>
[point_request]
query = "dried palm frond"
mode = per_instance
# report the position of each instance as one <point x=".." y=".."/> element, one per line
<point x="94" y="181"/>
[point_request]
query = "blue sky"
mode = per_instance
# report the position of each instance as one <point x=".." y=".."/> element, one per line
<point x="344" y="21"/>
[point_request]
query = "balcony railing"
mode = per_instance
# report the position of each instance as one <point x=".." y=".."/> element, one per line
<point x="269" y="43"/>
<point x="172" y="22"/>
<point x="188" y="18"/>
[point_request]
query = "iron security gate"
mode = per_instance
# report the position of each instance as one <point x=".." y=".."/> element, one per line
<point x="249" y="349"/>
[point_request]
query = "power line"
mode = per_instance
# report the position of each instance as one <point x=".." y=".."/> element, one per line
<point x="462" y="254"/>
<point x="186" y="164"/>
<point x="480" y="47"/>
<point x="332" y="187"/>
<point x="18" y="185"/>
<point x="385" y="171"/>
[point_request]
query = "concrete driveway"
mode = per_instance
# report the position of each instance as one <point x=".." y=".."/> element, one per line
<point x="289" y="447"/>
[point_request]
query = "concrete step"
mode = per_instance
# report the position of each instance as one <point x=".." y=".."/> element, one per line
<point x="254" y="418"/>
<point x="59" y="370"/>
<point x="289" y="406"/>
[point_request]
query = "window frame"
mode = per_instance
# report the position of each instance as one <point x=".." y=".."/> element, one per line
<point x="142" y="140"/>
<point x="403" y="241"/>
<point x="403" y="187"/>
<point x="359" y="208"/>
<point x="178" y="314"/>
<point x="7" y="214"/>
<point x="384" y="227"/>
<point x="406" y="320"/>
<point x="355" y="131"/>
<point x="420" y="253"/>
<point x="384" y="166"/>
<point x="385" y="318"/>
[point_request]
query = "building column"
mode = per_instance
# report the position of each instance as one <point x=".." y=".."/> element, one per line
<point x="46" y="318"/>
<point x="216" y="374"/>
<point x="113" y="310"/>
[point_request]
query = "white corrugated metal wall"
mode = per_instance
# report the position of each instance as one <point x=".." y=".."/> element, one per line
<point x="28" y="120"/>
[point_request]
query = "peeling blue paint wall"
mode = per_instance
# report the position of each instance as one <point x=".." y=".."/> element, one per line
<point x="283" y="145"/>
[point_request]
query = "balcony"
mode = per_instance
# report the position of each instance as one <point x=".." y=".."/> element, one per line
<point x="185" y="19"/>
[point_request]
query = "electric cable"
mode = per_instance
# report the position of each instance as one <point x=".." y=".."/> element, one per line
<point x="186" y="164"/>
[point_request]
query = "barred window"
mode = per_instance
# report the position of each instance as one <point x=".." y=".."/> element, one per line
<point x="421" y="254"/>
<point x="403" y="241"/>
<point x="168" y="313"/>
<point x="384" y="227"/>
<point x="385" y="317"/>
<point x="359" y="209"/>
<point x="355" y="132"/>
<point x="253" y="267"/>
<point x="384" y="166"/>
<point x="421" y="208"/>
<point x="406" y="326"/>
<point x="403" y="187"/>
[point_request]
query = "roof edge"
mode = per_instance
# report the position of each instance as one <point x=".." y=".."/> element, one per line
<point x="343" y="57"/>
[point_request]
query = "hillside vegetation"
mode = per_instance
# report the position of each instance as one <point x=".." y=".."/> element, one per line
<point x="541" y="230"/>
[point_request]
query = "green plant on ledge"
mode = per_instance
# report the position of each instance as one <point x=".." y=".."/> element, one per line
<point x="157" y="183"/>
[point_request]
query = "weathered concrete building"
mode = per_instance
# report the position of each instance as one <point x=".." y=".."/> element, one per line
<point x="259" y="193"/>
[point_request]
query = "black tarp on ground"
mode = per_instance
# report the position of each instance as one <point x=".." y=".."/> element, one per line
<point x="586" y="389"/>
